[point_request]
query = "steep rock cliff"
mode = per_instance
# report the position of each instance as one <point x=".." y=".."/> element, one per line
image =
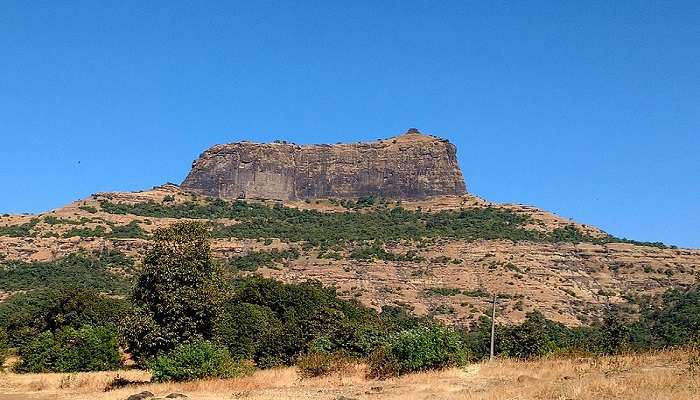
<point x="409" y="166"/>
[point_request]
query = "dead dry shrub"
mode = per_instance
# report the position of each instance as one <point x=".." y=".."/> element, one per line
<point x="321" y="364"/>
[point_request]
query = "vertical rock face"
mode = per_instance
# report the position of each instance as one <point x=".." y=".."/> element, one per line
<point x="410" y="166"/>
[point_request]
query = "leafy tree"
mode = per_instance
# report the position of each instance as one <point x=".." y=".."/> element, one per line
<point x="535" y="337"/>
<point x="178" y="291"/>
<point x="250" y="331"/>
<point x="78" y="269"/>
<point x="615" y="333"/>
<point x="302" y="317"/>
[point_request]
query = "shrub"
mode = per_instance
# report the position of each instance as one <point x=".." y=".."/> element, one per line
<point x="262" y="221"/>
<point x="197" y="360"/>
<point x="130" y="230"/>
<point x="376" y="251"/>
<point x="71" y="350"/>
<point x="676" y="321"/>
<point x="90" y="209"/>
<point x="4" y="347"/>
<point x="442" y="291"/>
<point x="311" y="317"/>
<point x="319" y="364"/>
<point x="21" y="230"/>
<point x="255" y="259"/>
<point x="418" y="349"/>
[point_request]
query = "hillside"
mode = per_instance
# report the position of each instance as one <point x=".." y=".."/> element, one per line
<point x="442" y="256"/>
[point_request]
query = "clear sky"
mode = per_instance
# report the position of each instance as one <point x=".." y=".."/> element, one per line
<point x="590" y="109"/>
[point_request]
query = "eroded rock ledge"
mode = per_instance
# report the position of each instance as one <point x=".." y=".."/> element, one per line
<point x="409" y="166"/>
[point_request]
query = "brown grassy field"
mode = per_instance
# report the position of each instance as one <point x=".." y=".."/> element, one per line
<point x="667" y="375"/>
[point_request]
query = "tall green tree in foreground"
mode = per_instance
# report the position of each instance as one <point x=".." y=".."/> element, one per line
<point x="177" y="292"/>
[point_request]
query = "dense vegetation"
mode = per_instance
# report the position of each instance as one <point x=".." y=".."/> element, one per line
<point x="367" y="219"/>
<point x="4" y="346"/>
<point x="70" y="350"/>
<point x="88" y="270"/>
<point x="262" y="221"/>
<point x="26" y="315"/>
<point x="186" y="319"/>
<point x="20" y="230"/>
<point x="255" y="259"/>
<point x="382" y="223"/>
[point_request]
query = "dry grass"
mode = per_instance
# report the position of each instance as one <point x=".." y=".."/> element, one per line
<point x="667" y="375"/>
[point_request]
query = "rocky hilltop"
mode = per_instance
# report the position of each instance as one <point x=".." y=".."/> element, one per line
<point x="409" y="166"/>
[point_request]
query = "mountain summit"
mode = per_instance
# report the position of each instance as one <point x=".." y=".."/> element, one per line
<point x="409" y="166"/>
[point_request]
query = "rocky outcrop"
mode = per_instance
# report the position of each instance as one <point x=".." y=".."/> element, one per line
<point x="410" y="166"/>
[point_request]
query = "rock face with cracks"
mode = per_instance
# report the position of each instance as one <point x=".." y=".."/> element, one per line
<point x="409" y="166"/>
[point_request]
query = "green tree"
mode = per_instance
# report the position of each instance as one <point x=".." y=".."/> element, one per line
<point x="177" y="291"/>
<point x="250" y="331"/>
<point x="532" y="338"/>
<point x="676" y="320"/>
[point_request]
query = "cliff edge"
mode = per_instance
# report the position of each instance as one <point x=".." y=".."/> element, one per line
<point x="409" y="166"/>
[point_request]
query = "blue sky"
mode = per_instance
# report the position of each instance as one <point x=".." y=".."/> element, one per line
<point x="590" y="109"/>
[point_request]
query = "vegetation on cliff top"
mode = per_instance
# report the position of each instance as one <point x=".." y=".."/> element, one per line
<point x="382" y="223"/>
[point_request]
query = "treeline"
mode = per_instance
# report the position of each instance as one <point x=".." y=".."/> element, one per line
<point x="380" y="224"/>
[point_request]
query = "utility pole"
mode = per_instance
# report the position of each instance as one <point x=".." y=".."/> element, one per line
<point x="493" y="327"/>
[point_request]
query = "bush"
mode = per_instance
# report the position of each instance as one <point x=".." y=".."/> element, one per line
<point x="319" y="364"/>
<point x="255" y="259"/>
<point x="316" y="227"/>
<point x="419" y="349"/>
<point x="442" y="291"/>
<point x="4" y="347"/>
<point x="198" y="360"/>
<point x="71" y="350"/>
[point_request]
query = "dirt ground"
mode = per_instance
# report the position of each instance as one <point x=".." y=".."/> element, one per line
<point x="668" y="375"/>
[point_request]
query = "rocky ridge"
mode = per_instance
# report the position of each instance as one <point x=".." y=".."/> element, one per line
<point x="409" y="166"/>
